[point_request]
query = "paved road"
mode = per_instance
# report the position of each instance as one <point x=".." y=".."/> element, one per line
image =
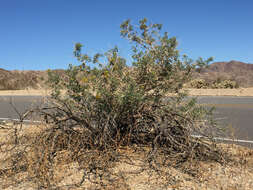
<point x="234" y="111"/>
<point x="21" y="103"/>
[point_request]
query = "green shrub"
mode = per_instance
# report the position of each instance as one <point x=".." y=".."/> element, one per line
<point x="198" y="83"/>
<point x="103" y="104"/>
<point x="216" y="84"/>
<point x="115" y="102"/>
<point x="225" y="84"/>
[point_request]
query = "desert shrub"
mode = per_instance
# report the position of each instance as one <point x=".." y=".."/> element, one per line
<point x="216" y="84"/>
<point x="117" y="102"/>
<point x="198" y="83"/>
<point x="224" y="84"/>
<point x="103" y="106"/>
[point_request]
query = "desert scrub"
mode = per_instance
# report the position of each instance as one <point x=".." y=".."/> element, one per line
<point x="108" y="106"/>
<point x="224" y="84"/>
<point x="215" y="84"/>
<point x="198" y="83"/>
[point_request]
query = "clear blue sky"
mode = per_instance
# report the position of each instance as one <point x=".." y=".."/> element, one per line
<point x="40" y="34"/>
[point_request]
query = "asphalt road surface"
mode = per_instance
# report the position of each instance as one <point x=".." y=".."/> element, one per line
<point x="233" y="112"/>
<point x="12" y="106"/>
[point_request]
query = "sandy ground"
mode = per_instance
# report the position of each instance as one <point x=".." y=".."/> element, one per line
<point x="30" y="92"/>
<point x="209" y="176"/>
<point x="193" y="92"/>
<point x="221" y="92"/>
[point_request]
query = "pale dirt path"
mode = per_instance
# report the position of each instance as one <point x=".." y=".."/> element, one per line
<point x="41" y="92"/>
<point x="192" y="92"/>
<point x="221" y="92"/>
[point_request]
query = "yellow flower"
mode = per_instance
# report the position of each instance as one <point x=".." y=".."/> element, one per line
<point x="84" y="80"/>
<point x="98" y="96"/>
<point x="106" y="73"/>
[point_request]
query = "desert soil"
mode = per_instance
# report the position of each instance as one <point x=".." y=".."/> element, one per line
<point x="221" y="92"/>
<point x="192" y="92"/>
<point x="30" y="92"/>
<point x="209" y="175"/>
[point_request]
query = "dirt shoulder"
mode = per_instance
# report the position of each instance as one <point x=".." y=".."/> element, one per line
<point x="29" y="92"/>
<point x="192" y="92"/>
<point x="221" y="92"/>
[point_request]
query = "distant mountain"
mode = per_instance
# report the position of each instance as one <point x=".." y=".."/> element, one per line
<point x="16" y="80"/>
<point x="231" y="67"/>
<point x="238" y="71"/>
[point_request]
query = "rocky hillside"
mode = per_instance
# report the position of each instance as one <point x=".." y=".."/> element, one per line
<point x="237" y="71"/>
<point x="231" y="67"/>
<point x="16" y="80"/>
<point x="19" y="80"/>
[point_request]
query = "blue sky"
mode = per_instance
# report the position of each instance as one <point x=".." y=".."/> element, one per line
<point x="40" y="34"/>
